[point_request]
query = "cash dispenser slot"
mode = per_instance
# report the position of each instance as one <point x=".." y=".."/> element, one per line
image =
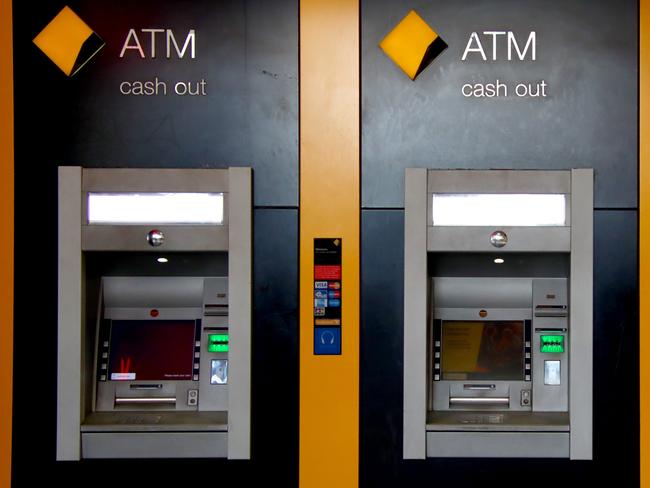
<point x="145" y="401"/>
<point x="479" y="387"/>
<point x="479" y="401"/>
<point x="146" y="387"/>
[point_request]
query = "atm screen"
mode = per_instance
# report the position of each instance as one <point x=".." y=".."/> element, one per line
<point x="151" y="350"/>
<point x="482" y="350"/>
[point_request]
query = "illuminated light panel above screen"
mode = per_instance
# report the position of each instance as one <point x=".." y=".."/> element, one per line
<point x="482" y="209"/>
<point x="155" y="208"/>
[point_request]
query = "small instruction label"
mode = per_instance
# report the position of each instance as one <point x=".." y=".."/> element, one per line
<point x="328" y="275"/>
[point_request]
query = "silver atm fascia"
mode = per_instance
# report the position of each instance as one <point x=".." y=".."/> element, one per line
<point x="111" y="419"/>
<point x="486" y="317"/>
<point x="542" y="407"/>
<point x="155" y="308"/>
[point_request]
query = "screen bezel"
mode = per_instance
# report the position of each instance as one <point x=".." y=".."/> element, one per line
<point x="191" y="350"/>
<point x="489" y="376"/>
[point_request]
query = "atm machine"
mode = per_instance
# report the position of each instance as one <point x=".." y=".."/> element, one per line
<point x="498" y="300"/>
<point x="154" y="322"/>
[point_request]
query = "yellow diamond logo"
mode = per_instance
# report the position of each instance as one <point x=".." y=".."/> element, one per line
<point x="68" y="41"/>
<point x="412" y="45"/>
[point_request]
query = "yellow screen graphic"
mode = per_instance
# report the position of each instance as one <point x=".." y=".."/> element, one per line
<point x="489" y="350"/>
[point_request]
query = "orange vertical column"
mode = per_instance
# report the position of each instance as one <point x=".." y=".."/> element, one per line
<point x="329" y="208"/>
<point x="644" y="236"/>
<point x="6" y="238"/>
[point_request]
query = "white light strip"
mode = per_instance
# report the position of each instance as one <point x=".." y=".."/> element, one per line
<point x="155" y="208"/>
<point x="525" y="210"/>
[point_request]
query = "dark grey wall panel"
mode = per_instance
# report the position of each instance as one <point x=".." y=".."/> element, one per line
<point x="246" y="51"/>
<point x="616" y="427"/>
<point x="586" y="52"/>
<point x="616" y="342"/>
<point x="274" y="387"/>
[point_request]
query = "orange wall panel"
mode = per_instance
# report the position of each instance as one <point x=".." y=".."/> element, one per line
<point x="644" y="237"/>
<point x="329" y="207"/>
<point x="6" y="238"/>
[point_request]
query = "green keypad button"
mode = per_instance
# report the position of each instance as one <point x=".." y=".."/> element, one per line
<point x="218" y="343"/>
<point x="552" y="344"/>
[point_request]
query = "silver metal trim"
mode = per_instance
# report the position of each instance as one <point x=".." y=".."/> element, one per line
<point x="134" y="238"/>
<point x="498" y="181"/>
<point x="415" y="313"/>
<point x="581" y="315"/>
<point x="71" y="318"/>
<point x="472" y="314"/>
<point x="477" y="239"/>
<point x="240" y="272"/>
<point x="155" y="180"/>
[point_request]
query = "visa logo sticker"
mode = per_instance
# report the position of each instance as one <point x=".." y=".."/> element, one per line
<point x="320" y="294"/>
<point x="320" y="285"/>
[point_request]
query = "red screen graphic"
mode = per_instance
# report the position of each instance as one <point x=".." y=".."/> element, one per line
<point x="151" y="350"/>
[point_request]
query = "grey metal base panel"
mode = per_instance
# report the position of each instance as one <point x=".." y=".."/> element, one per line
<point x="117" y="445"/>
<point x="155" y="422"/>
<point x="498" y="444"/>
<point x="527" y="422"/>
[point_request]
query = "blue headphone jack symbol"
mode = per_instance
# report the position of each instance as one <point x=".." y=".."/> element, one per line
<point x="327" y="337"/>
<point x="327" y="340"/>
